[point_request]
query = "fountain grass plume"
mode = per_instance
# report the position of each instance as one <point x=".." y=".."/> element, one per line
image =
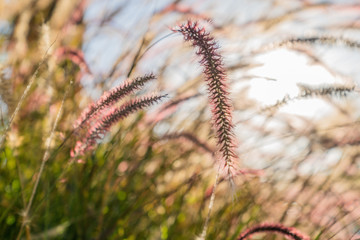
<point x="216" y="80"/>
<point x="111" y="117"/>
<point x="288" y="232"/>
<point x="111" y="97"/>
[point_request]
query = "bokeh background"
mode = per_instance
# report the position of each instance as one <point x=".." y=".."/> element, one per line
<point x="293" y="77"/>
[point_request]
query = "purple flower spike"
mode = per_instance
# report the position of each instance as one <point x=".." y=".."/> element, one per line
<point x="216" y="79"/>
<point x="288" y="232"/>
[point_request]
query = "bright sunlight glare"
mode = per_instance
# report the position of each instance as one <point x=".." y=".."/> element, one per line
<point x="287" y="69"/>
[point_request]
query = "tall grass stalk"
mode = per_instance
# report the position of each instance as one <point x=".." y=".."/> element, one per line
<point x="25" y="93"/>
<point x="210" y="207"/>
<point x="216" y="79"/>
<point x="42" y="166"/>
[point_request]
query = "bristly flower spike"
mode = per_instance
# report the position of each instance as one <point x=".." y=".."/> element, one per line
<point x="114" y="115"/>
<point x="216" y="79"/>
<point x="111" y="97"/>
<point x="288" y="232"/>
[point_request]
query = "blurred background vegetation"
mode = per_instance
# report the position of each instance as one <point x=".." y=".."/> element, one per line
<point x="152" y="176"/>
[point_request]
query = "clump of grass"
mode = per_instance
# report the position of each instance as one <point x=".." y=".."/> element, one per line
<point x="129" y="176"/>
